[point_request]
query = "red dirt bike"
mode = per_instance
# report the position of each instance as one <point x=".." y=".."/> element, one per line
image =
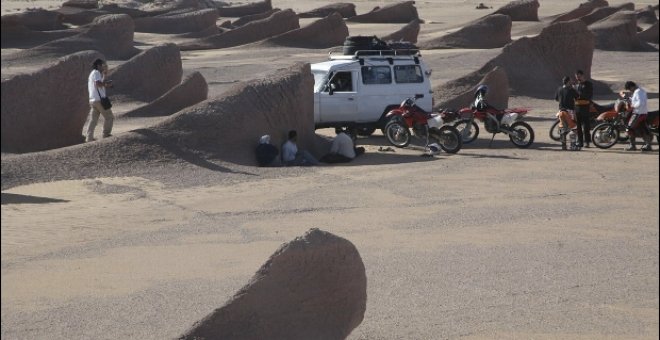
<point x="508" y="121"/>
<point x="429" y="126"/>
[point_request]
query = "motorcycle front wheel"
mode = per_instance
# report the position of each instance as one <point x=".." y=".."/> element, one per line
<point x="605" y="135"/>
<point x="448" y="138"/>
<point x="523" y="135"/>
<point x="554" y="131"/>
<point x="468" y="135"/>
<point x="397" y="133"/>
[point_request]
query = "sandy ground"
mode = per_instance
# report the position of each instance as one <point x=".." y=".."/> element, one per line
<point x="492" y="243"/>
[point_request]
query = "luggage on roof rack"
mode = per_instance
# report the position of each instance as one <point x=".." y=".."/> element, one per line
<point x="371" y="45"/>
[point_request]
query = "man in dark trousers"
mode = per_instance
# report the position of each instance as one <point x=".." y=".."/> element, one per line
<point x="585" y="90"/>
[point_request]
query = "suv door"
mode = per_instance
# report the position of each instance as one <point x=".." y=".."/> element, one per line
<point x="338" y="101"/>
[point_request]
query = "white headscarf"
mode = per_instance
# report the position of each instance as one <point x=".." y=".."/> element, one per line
<point x="265" y="139"/>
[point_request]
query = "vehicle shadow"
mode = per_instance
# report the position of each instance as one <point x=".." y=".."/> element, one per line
<point x="8" y="198"/>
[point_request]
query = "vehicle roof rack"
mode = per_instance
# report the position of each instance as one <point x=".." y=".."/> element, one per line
<point x="398" y="54"/>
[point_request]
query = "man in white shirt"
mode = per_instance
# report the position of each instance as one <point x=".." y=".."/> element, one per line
<point x="342" y="150"/>
<point x="96" y="85"/>
<point x="637" y="123"/>
<point x="291" y="156"/>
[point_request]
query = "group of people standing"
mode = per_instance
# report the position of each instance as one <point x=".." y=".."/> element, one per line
<point x="575" y="100"/>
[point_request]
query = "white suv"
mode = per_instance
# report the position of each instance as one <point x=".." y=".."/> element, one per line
<point x="356" y="91"/>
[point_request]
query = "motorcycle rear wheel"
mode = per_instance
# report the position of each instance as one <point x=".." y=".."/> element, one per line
<point x="471" y="134"/>
<point x="448" y="138"/>
<point x="397" y="133"/>
<point x="605" y="135"/>
<point x="523" y="135"/>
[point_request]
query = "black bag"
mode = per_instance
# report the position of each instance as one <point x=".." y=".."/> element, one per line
<point x="105" y="101"/>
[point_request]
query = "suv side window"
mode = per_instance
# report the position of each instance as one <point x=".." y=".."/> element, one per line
<point x="408" y="74"/>
<point x="342" y="82"/>
<point x="376" y="75"/>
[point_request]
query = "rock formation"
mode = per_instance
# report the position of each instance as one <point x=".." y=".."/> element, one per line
<point x="323" y="33"/>
<point x="618" y="32"/>
<point x="408" y="32"/>
<point x="402" y="13"/>
<point x="313" y="287"/>
<point x="279" y="22"/>
<point x="459" y="93"/>
<point x="582" y="10"/>
<point x="646" y="16"/>
<point x="112" y="35"/>
<point x="521" y="10"/>
<point x="600" y="13"/>
<point x="192" y="90"/>
<point x="650" y="35"/>
<point x="211" y="131"/>
<point x="249" y="9"/>
<point x="491" y="31"/>
<point x="346" y="10"/>
<point x="16" y="35"/>
<point x="37" y="20"/>
<point x="536" y="65"/>
<point x="54" y="113"/>
<point x="254" y="17"/>
<point x="148" y="75"/>
<point x="80" y="16"/>
<point x="181" y="23"/>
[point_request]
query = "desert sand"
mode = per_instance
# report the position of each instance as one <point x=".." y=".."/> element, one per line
<point x="494" y="242"/>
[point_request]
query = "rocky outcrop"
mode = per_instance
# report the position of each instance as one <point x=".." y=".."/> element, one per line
<point x="492" y="31"/>
<point x="279" y="22"/>
<point x="536" y="65"/>
<point x="79" y="16"/>
<point x="402" y="13"/>
<point x="346" y="10"/>
<point x="88" y="4"/>
<point x="408" y="32"/>
<point x="323" y="33"/>
<point x="313" y="287"/>
<point x="646" y="16"/>
<point x="37" y="20"/>
<point x="192" y="90"/>
<point x="16" y="35"/>
<point x="649" y="35"/>
<point x="459" y="93"/>
<point x="599" y="14"/>
<point x="250" y="18"/>
<point x="148" y="75"/>
<point x="214" y="130"/>
<point x="181" y="23"/>
<point x="618" y="32"/>
<point x="112" y="35"/>
<point x="54" y="112"/>
<point x="521" y="10"/>
<point x="582" y="10"/>
<point x="249" y="9"/>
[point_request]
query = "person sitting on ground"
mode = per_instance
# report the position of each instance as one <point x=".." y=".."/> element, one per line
<point x="291" y="156"/>
<point x="566" y="96"/>
<point x="637" y="122"/>
<point x="266" y="152"/>
<point x="343" y="149"/>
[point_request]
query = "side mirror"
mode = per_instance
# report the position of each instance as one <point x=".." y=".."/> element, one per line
<point x="418" y="96"/>
<point x="332" y="88"/>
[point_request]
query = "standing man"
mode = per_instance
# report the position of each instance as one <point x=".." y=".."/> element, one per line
<point x="96" y="85"/>
<point x="637" y="123"/>
<point x="566" y="96"/>
<point x="585" y="90"/>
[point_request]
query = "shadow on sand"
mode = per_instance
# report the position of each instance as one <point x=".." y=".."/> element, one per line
<point x="8" y="198"/>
